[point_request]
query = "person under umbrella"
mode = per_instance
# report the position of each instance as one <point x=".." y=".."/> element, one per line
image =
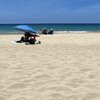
<point x="29" y="38"/>
<point x="29" y="34"/>
<point x="32" y="40"/>
<point x="25" y="38"/>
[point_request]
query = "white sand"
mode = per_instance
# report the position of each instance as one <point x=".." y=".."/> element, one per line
<point x="62" y="67"/>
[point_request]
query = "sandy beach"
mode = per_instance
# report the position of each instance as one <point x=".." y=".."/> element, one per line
<point x="62" y="67"/>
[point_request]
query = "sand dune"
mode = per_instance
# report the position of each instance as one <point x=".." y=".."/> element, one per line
<point x="62" y="67"/>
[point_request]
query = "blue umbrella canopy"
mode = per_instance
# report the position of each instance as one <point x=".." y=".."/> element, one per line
<point x="25" y="28"/>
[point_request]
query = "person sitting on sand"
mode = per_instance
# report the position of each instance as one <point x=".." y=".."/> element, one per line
<point x="25" y="38"/>
<point x="32" y="40"/>
<point x="44" y="31"/>
<point x="50" y="31"/>
<point x="21" y="40"/>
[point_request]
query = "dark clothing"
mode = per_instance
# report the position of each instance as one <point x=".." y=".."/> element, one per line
<point x="32" y="40"/>
<point x="44" y="31"/>
<point x="21" y="40"/>
<point x="27" y="36"/>
<point x="50" y="32"/>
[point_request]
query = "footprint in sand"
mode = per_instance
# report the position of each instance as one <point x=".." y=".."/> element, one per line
<point x="92" y="76"/>
<point x="85" y="70"/>
<point x="92" y="96"/>
<point x="18" y="86"/>
<point x="18" y="98"/>
<point x="56" y="96"/>
<point x="55" y="88"/>
<point x="3" y="66"/>
<point x="2" y="98"/>
<point x="75" y="82"/>
<point x="42" y="77"/>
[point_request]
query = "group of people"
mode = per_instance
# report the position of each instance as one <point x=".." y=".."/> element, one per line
<point x="28" y="38"/>
<point x="44" y="31"/>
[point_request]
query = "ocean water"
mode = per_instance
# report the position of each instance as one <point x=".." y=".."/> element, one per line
<point x="9" y="28"/>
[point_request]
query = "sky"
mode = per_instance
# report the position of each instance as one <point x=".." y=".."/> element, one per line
<point x="49" y="11"/>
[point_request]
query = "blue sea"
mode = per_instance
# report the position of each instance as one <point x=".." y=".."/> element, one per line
<point x="9" y="28"/>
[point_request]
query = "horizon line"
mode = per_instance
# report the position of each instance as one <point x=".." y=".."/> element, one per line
<point x="48" y="23"/>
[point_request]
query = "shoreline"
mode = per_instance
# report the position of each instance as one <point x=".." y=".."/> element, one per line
<point x="55" y="32"/>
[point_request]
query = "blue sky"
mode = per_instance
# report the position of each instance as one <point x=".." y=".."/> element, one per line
<point x="49" y="11"/>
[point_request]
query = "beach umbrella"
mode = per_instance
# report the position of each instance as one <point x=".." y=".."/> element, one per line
<point x="25" y="28"/>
